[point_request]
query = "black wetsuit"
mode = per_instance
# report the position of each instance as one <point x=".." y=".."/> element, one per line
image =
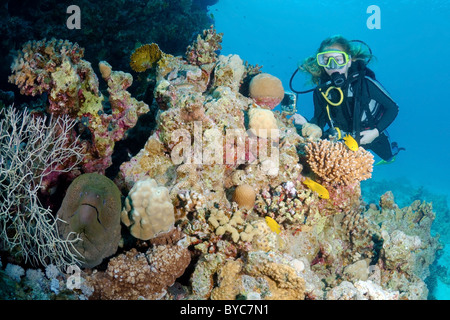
<point x="377" y="110"/>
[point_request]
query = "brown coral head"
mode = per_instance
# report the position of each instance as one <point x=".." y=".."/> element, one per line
<point x="266" y="90"/>
<point x="245" y="196"/>
<point x="145" y="57"/>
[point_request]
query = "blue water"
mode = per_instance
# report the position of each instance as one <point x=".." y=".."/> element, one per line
<point x="412" y="49"/>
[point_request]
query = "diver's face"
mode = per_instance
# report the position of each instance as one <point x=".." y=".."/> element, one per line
<point x="343" y="70"/>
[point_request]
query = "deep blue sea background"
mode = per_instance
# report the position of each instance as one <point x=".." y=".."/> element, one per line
<point x="412" y="50"/>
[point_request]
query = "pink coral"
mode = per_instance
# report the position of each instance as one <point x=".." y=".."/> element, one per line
<point x="40" y="67"/>
<point x="202" y="51"/>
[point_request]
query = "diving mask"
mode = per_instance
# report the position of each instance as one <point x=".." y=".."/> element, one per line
<point x="332" y="59"/>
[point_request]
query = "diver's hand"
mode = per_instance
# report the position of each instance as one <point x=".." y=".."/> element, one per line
<point x="368" y="136"/>
<point x="298" y="119"/>
<point x="311" y="130"/>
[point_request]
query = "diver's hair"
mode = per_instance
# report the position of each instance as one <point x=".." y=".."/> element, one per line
<point x="354" y="50"/>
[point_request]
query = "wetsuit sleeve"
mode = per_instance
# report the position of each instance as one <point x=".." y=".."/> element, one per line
<point x="320" y="117"/>
<point x="390" y="108"/>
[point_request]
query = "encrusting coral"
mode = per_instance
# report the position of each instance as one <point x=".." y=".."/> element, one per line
<point x="135" y="275"/>
<point x="334" y="163"/>
<point x="56" y="67"/>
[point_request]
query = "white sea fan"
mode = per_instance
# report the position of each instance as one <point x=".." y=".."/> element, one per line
<point x="31" y="148"/>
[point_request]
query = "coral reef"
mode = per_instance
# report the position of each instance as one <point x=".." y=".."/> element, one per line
<point x="56" y="67"/>
<point x="91" y="210"/>
<point x="219" y="210"/>
<point x="142" y="21"/>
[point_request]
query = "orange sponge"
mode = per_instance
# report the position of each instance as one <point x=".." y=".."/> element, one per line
<point x="266" y="90"/>
<point x="245" y="196"/>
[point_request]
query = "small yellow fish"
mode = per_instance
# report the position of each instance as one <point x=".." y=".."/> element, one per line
<point x="273" y="225"/>
<point x="351" y="143"/>
<point x="316" y="187"/>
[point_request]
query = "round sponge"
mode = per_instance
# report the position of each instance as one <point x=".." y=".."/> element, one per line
<point x="245" y="196"/>
<point x="266" y="90"/>
<point x="262" y="122"/>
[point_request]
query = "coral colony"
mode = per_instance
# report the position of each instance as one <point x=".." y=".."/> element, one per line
<point x="226" y="200"/>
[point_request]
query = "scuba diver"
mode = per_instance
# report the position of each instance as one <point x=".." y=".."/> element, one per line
<point x="348" y="98"/>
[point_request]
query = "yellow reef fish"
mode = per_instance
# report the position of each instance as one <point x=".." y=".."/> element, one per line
<point x="273" y="225"/>
<point x="350" y="142"/>
<point x="317" y="187"/>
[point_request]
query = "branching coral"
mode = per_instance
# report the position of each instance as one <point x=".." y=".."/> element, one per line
<point x="31" y="150"/>
<point x="227" y="222"/>
<point x="334" y="163"/>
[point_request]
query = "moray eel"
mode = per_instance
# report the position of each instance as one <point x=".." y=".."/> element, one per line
<point x="91" y="209"/>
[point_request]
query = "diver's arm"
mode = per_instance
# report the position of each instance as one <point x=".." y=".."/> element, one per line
<point x="390" y="108"/>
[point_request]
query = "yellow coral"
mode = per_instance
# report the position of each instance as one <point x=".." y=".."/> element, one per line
<point x="334" y="163"/>
<point x="276" y="281"/>
<point x="283" y="281"/>
<point x="262" y="123"/>
<point x="230" y="281"/>
<point x="227" y="222"/>
<point x="145" y="57"/>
